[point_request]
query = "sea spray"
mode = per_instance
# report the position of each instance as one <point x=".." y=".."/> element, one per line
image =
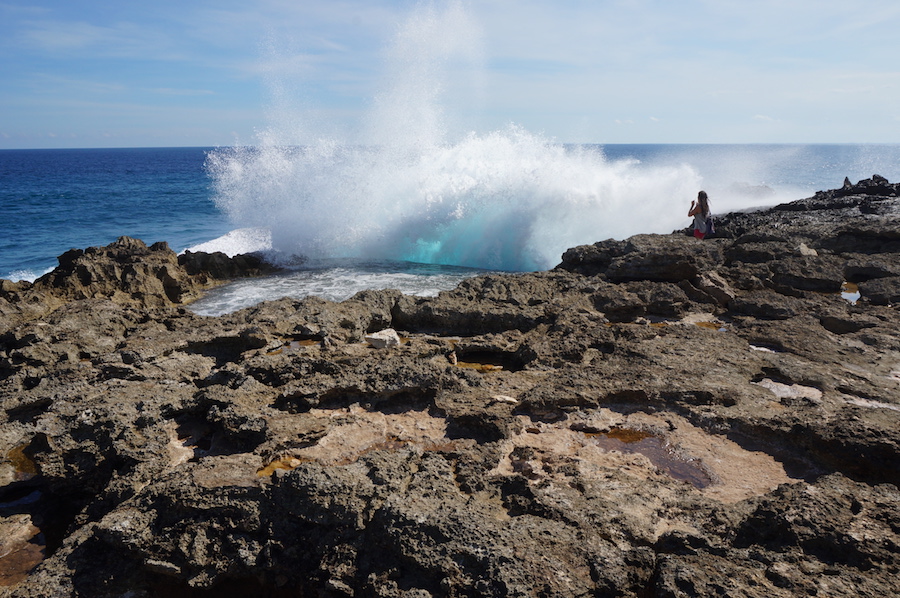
<point x="432" y="73"/>
<point x="507" y="200"/>
<point x="409" y="190"/>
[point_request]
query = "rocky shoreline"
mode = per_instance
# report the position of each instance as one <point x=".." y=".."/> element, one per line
<point x="655" y="417"/>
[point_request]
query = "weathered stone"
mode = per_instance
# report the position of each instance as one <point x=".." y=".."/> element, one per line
<point x="807" y="251"/>
<point x="839" y="323"/>
<point x="664" y="259"/>
<point x="766" y="304"/>
<point x="126" y="272"/>
<point x="810" y="273"/>
<point x="716" y="287"/>
<point x="868" y="267"/>
<point x="658" y="416"/>
<point x="384" y="339"/>
<point x="881" y="291"/>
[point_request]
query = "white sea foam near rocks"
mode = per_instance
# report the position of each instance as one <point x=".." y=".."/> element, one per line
<point x="28" y="275"/>
<point x="335" y="280"/>
<point x="242" y="240"/>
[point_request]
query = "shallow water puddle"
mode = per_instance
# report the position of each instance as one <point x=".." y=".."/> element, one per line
<point x="641" y="445"/>
<point x="285" y="463"/>
<point x="486" y="361"/>
<point x="479" y="367"/>
<point x="22" y="544"/>
<point x="25" y="467"/>
<point x="718" y="327"/>
<point x="653" y="447"/>
<point x="292" y="344"/>
<point x="850" y="292"/>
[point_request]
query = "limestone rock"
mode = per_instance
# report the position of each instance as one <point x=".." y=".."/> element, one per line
<point x="715" y="286"/>
<point x="125" y="272"/>
<point x="657" y="416"/>
<point x="384" y="339"/>
<point x="807" y="251"/>
<point x="881" y="291"/>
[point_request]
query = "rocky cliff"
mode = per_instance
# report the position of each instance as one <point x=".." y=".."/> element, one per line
<point x="657" y="416"/>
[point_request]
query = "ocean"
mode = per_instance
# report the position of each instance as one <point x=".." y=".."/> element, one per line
<point x="343" y="218"/>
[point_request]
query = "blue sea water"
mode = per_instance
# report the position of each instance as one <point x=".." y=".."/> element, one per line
<point x="416" y="220"/>
<point x="55" y="200"/>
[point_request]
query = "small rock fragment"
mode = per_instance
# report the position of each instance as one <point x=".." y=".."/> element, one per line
<point x="384" y="339"/>
<point x="504" y="399"/>
<point x="806" y="250"/>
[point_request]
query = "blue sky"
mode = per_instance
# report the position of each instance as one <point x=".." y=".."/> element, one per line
<point x="202" y="73"/>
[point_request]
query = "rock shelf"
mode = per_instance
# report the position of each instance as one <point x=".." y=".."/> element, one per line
<point x="656" y="417"/>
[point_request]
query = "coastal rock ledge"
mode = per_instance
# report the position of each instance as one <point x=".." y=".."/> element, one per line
<point x="656" y="417"/>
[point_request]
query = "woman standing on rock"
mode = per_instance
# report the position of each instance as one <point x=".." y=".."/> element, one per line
<point x="700" y="211"/>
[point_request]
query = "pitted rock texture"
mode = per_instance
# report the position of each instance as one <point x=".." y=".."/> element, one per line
<point x="658" y="416"/>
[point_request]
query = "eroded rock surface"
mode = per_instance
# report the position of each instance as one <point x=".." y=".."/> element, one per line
<point x="658" y="416"/>
<point x="127" y="272"/>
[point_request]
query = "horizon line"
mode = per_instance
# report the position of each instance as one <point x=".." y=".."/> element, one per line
<point x="564" y="143"/>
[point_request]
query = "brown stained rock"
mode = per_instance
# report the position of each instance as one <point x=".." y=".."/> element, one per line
<point x="658" y="416"/>
<point x="20" y="549"/>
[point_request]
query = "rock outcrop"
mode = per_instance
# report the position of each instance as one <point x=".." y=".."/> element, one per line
<point x="658" y="416"/>
<point x="126" y="272"/>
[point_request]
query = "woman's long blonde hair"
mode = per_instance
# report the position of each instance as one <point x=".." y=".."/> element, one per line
<point x="704" y="202"/>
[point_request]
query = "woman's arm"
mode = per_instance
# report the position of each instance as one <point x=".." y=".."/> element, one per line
<point x="695" y="208"/>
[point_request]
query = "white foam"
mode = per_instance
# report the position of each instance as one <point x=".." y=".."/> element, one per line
<point x="508" y="200"/>
<point x="236" y="242"/>
<point x="335" y="282"/>
<point x="26" y="275"/>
